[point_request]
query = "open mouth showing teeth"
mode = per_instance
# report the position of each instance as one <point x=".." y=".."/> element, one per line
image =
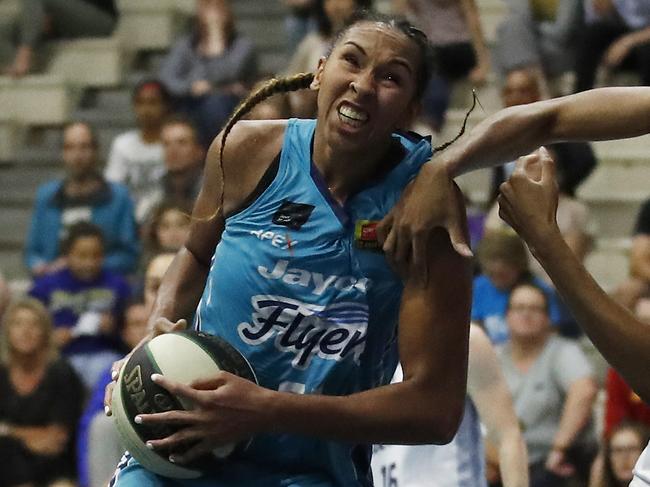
<point x="352" y="116"/>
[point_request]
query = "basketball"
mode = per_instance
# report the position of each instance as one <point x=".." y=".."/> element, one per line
<point x="183" y="357"/>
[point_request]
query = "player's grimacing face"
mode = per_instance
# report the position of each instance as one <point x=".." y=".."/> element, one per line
<point x="367" y="85"/>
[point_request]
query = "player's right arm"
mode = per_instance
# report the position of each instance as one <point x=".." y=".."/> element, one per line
<point x="487" y="387"/>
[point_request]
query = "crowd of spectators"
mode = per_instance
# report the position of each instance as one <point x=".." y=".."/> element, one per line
<point x="102" y="236"/>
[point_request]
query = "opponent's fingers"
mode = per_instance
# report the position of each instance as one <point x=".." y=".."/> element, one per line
<point x="384" y="227"/>
<point x="549" y="173"/>
<point x="390" y="242"/>
<point x="116" y="368"/>
<point x="402" y="250"/>
<point x="528" y="166"/>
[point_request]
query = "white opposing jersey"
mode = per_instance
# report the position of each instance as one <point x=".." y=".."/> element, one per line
<point x="457" y="464"/>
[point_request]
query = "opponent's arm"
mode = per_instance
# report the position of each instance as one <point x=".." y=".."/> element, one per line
<point x="606" y="113"/>
<point x="487" y="387"/>
<point x="529" y="207"/>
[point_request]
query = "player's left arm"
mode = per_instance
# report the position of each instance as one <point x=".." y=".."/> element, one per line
<point x="487" y="387"/>
<point x="427" y="406"/>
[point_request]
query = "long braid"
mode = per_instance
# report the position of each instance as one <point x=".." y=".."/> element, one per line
<point x="271" y="87"/>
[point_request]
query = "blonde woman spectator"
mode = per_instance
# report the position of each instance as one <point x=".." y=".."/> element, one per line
<point x="40" y="400"/>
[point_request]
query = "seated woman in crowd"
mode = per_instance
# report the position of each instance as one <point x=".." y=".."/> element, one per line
<point x="209" y="70"/>
<point x="454" y="29"/>
<point x="40" y="400"/>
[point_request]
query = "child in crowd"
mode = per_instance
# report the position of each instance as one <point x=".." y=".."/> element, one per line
<point x="169" y="227"/>
<point x="86" y="302"/>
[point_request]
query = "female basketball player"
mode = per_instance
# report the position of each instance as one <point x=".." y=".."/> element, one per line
<point x="298" y="286"/>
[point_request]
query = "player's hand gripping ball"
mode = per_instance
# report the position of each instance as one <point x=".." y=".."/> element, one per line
<point x="183" y="357"/>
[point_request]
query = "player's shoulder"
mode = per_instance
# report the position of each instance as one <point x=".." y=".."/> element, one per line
<point x="251" y="140"/>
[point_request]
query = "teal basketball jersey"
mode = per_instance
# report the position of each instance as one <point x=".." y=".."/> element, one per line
<point x="298" y="285"/>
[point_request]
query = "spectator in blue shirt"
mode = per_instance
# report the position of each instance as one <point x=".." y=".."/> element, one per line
<point x="504" y="263"/>
<point x="82" y="195"/>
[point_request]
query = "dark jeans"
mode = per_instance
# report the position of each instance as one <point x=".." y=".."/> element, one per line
<point x="209" y="113"/>
<point x="453" y="62"/>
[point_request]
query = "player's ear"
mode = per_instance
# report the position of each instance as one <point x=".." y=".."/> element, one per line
<point x="315" y="84"/>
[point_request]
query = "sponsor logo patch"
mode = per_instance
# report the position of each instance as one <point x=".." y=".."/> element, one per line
<point x="365" y="235"/>
<point x="293" y="215"/>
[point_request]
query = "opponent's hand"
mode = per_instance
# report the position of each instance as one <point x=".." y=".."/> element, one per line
<point x="228" y="409"/>
<point x="159" y="327"/>
<point x="528" y="200"/>
<point x="430" y="201"/>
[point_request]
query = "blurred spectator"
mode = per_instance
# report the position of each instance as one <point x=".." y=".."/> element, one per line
<point x="540" y="36"/>
<point x="331" y="16"/>
<point x="169" y="228"/>
<point x="155" y="272"/>
<point x="58" y="19"/>
<point x="5" y="296"/>
<point x="553" y="389"/>
<point x="87" y="303"/>
<point x="211" y="69"/>
<point x="454" y="29"/>
<point x="640" y="254"/>
<point x="575" y="160"/>
<point x="82" y="195"/>
<point x="616" y="34"/>
<point x="136" y="156"/>
<point x="299" y="20"/>
<point x="504" y="262"/>
<point x="621" y="451"/>
<point x="40" y="401"/>
<point x="183" y="158"/>
<point x="98" y="445"/>
<point x="622" y="403"/>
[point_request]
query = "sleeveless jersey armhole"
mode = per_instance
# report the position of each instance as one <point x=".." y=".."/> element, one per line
<point x="266" y="180"/>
